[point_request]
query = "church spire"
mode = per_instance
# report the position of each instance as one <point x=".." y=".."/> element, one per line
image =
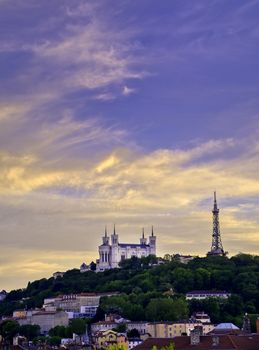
<point x="152" y="231"/>
<point x="105" y="231"/>
<point x="114" y="230"/>
<point x="143" y="232"/>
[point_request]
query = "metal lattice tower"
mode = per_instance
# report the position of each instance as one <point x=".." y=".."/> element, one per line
<point x="216" y="246"/>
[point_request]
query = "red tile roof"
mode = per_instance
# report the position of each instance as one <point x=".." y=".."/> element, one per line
<point x="226" y="342"/>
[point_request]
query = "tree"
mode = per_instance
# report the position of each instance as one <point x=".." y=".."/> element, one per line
<point x="8" y="329"/>
<point x="166" y="309"/>
<point x="29" y="331"/>
<point x="78" y="326"/>
<point x="133" y="333"/>
<point x="54" y="341"/>
<point x="121" y="328"/>
<point x="61" y="331"/>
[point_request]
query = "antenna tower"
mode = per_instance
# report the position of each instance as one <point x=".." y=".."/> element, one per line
<point x="216" y="246"/>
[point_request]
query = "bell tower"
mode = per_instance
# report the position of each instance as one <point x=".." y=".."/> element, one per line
<point x="152" y="242"/>
<point x="143" y="240"/>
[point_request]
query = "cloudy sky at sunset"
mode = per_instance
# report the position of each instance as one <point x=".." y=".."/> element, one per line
<point x="126" y="112"/>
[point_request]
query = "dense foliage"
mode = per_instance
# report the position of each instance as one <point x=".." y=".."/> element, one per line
<point x="156" y="292"/>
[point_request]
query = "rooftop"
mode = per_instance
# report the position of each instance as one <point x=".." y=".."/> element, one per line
<point x="207" y="292"/>
<point x="229" y="342"/>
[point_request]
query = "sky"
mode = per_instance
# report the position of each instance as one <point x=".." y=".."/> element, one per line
<point x="125" y="112"/>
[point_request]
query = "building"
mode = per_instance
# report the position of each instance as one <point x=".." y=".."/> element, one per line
<point x="226" y="328"/>
<point x="3" y="295"/>
<point x="110" y="255"/>
<point x="76" y="305"/>
<point x="204" y="294"/>
<point x="184" y="259"/>
<point x="170" y="329"/>
<point x="46" y="320"/>
<point x="201" y="317"/>
<point x="103" y="339"/>
<point x="58" y="274"/>
<point x="102" y="326"/>
<point x="209" y="342"/>
<point x="133" y="342"/>
<point x="84" y="268"/>
<point x="140" y="326"/>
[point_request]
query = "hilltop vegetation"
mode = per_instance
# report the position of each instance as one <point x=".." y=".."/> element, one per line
<point x="156" y="293"/>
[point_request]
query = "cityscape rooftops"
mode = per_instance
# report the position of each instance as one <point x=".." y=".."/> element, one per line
<point x="230" y="342"/>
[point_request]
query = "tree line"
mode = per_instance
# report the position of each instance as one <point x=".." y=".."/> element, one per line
<point x="155" y="292"/>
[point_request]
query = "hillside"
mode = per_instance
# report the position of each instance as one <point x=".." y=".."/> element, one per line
<point x="157" y="292"/>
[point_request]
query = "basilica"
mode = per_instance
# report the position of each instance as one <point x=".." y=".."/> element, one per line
<point x="111" y="254"/>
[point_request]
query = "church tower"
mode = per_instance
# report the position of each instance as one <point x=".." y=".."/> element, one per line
<point x="104" y="253"/>
<point x="216" y="246"/>
<point x="106" y="239"/>
<point x="115" y="256"/>
<point x="152" y="242"/>
<point x="143" y="240"/>
<point x="115" y="237"/>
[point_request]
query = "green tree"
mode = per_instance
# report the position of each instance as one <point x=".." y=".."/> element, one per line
<point x="54" y="341"/>
<point x="133" y="333"/>
<point x="61" y="331"/>
<point x="78" y="326"/>
<point x="29" y="331"/>
<point x="166" y="309"/>
<point x="8" y="329"/>
<point x="121" y="328"/>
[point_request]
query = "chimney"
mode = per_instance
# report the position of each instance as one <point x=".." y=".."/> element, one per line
<point x="195" y="335"/>
<point x="246" y="328"/>
<point x="215" y="340"/>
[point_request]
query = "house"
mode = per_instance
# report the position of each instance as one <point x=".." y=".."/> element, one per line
<point x="208" y="342"/>
<point x="103" y="339"/>
<point x="58" y="274"/>
<point x="140" y="326"/>
<point x="102" y="326"/>
<point x="201" y="317"/>
<point x="170" y="329"/>
<point x="133" y="342"/>
<point x="226" y="328"/>
<point x="204" y="294"/>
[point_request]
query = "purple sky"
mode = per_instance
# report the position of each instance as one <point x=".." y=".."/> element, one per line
<point x="131" y="112"/>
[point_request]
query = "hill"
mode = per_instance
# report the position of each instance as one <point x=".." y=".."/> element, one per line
<point x="156" y="292"/>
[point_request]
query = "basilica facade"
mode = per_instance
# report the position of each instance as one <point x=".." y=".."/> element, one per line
<point x="112" y="253"/>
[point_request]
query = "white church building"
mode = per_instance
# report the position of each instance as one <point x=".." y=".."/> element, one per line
<point x="110" y="255"/>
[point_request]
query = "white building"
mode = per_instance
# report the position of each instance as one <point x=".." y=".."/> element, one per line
<point x="76" y="305"/>
<point x="204" y="294"/>
<point x="58" y="274"/>
<point x="110" y="255"/>
<point x="201" y="317"/>
<point x="84" y="268"/>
